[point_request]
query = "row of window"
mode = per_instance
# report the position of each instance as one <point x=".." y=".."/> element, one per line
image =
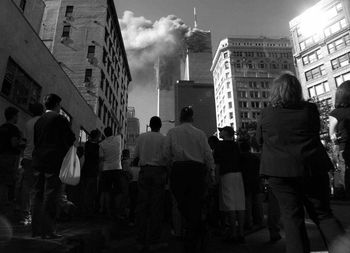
<point x="315" y="73"/>
<point x="341" y="61"/>
<point x="253" y="104"/>
<point x="258" y="54"/>
<point x="261" y="65"/>
<point x="318" y="89"/>
<point x="253" y="94"/>
<point x="334" y="28"/>
<point x="245" y="115"/>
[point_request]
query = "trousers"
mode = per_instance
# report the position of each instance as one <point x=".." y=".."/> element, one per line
<point x="313" y="193"/>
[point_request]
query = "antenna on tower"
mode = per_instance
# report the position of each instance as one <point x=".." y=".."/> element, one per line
<point x="195" y="17"/>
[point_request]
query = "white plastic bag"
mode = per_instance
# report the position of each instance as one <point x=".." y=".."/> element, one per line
<point x="70" y="168"/>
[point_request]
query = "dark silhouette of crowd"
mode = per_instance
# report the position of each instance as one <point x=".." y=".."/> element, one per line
<point x="184" y="183"/>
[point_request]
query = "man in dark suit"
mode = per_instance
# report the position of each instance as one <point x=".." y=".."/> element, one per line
<point x="52" y="139"/>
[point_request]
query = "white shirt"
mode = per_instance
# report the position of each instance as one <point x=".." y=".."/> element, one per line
<point x="110" y="151"/>
<point x="149" y="149"/>
<point x="187" y="143"/>
<point x="29" y="135"/>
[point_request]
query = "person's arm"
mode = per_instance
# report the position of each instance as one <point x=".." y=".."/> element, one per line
<point x="333" y="122"/>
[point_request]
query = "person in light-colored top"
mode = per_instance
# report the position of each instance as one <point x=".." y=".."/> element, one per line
<point x="111" y="175"/>
<point x="188" y="151"/>
<point x="28" y="173"/>
<point x="151" y="186"/>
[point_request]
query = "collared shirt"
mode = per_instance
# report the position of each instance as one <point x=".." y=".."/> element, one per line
<point x="187" y="143"/>
<point x="111" y="153"/>
<point x="29" y="135"/>
<point x="149" y="149"/>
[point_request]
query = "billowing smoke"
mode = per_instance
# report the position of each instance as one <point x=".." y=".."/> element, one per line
<point x="146" y="42"/>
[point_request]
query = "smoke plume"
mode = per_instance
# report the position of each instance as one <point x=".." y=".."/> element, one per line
<point x="146" y="41"/>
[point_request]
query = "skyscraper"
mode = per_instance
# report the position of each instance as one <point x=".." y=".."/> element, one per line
<point x="191" y="63"/>
<point x="85" y="38"/>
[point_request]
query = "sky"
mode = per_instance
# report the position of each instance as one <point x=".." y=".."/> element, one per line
<point x="222" y="17"/>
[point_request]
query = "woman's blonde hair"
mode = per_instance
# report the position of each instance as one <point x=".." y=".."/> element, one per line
<point x="286" y="91"/>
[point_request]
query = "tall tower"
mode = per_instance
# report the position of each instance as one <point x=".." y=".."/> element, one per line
<point x="85" y="38"/>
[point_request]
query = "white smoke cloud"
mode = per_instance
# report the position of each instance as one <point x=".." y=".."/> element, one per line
<point x="145" y="41"/>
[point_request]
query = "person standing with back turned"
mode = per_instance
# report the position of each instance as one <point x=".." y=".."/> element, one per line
<point x="296" y="163"/>
<point x="191" y="157"/>
<point x="52" y="139"/>
<point x="151" y="186"/>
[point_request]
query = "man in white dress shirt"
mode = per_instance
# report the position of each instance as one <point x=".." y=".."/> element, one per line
<point x="188" y="150"/>
<point x="151" y="185"/>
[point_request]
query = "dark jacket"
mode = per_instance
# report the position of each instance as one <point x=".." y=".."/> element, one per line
<point x="290" y="140"/>
<point x="52" y="139"/>
<point x="227" y="155"/>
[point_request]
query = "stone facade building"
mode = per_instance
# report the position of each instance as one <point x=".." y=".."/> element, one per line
<point x="243" y="69"/>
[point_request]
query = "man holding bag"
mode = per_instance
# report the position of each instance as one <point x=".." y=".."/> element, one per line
<point x="52" y="139"/>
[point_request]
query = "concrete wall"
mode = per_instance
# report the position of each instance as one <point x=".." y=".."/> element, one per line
<point x="24" y="46"/>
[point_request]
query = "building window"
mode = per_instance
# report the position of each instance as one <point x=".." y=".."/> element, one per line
<point x="231" y="115"/>
<point x="227" y="65"/>
<point x="228" y="84"/>
<point x="229" y="105"/>
<point x="265" y="94"/>
<point x="336" y="27"/>
<point x="22" y="4"/>
<point x="318" y="89"/>
<point x="254" y="94"/>
<point x="315" y="73"/>
<point x="238" y="64"/>
<point x="225" y="54"/>
<point x="242" y="94"/>
<point x="91" y="52"/>
<point x="229" y="94"/>
<point x="88" y="75"/>
<point x="261" y="64"/>
<point x="69" y="11"/>
<point x="312" y="57"/>
<point x="244" y="115"/>
<point x="250" y="65"/>
<point x="255" y="115"/>
<point x="341" y="61"/>
<point x="339" y="44"/>
<point x="243" y="104"/>
<point x="342" y="78"/>
<point x="255" y="104"/>
<point x="265" y="85"/>
<point x="18" y="87"/>
<point x="253" y="85"/>
<point x="66" y="31"/>
<point x="274" y="65"/>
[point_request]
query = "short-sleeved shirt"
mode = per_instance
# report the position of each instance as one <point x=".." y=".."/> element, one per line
<point x="343" y="128"/>
<point x="149" y="149"/>
<point x="227" y="155"/>
<point x="111" y="153"/>
<point x="7" y="132"/>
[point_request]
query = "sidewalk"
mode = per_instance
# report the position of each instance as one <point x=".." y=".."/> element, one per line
<point x="79" y="237"/>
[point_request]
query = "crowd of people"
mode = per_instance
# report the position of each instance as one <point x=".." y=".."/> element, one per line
<point x="200" y="185"/>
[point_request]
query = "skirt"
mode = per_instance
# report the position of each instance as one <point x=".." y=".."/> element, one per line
<point x="231" y="192"/>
